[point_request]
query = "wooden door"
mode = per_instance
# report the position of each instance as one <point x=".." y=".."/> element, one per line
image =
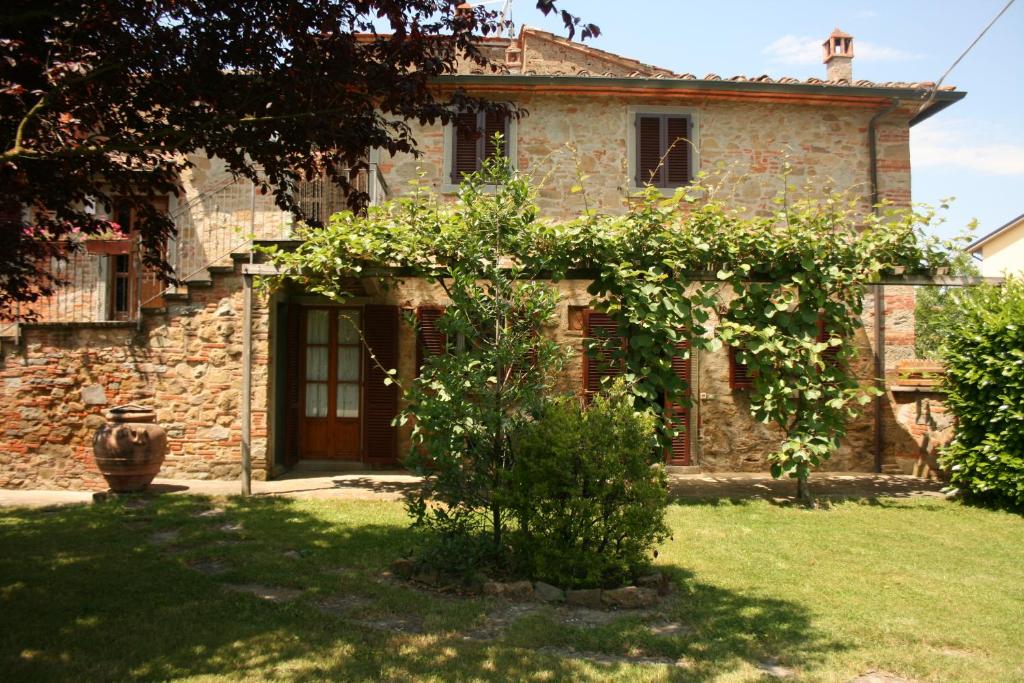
<point x="131" y="283"/>
<point x="331" y="384"/>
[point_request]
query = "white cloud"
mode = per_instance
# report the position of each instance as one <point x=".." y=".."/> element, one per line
<point x="965" y="144"/>
<point x="790" y="49"/>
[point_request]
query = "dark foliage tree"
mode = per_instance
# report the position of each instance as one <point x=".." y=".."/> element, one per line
<point x="104" y="99"/>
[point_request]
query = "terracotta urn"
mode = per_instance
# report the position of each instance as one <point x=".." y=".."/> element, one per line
<point x="129" y="448"/>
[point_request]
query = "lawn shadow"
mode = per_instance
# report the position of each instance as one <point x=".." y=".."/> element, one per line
<point x="180" y="588"/>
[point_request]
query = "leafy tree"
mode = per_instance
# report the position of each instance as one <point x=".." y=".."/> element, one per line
<point x="104" y="100"/>
<point x="984" y="354"/>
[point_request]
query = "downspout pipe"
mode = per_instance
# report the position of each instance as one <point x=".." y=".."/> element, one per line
<point x="879" y="291"/>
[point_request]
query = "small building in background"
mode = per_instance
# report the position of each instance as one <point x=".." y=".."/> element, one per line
<point x="1002" y="250"/>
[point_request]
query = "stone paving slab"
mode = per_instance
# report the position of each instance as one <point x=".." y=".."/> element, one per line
<point x="393" y="485"/>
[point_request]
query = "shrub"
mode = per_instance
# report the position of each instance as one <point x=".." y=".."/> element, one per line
<point x="984" y="355"/>
<point x="589" y="503"/>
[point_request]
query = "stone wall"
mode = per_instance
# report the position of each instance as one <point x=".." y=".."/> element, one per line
<point x="186" y="363"/>
<point x="824" y="146"/>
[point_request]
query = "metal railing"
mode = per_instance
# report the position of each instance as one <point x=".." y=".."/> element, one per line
<point x="211" y="226"/>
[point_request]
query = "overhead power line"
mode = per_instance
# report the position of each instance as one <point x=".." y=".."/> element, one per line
<point x="938" y="84"/>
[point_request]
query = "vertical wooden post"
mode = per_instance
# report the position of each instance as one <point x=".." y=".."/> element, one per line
<point x="246" y="402"/>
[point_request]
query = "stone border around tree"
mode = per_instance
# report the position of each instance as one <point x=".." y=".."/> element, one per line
<point x="647" y="591"/>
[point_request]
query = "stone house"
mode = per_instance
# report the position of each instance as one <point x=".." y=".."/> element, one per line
<point x="283" y="375"/>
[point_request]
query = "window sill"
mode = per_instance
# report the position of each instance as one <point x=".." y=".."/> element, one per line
<point x="449" y="188"/>
<point x="666" y="192"/>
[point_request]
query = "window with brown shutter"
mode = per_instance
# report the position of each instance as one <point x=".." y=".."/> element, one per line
<point x="663" y="145"/>
<point x="678" y="415"/>
<point x="829" y="356"/>
<point x="473" y="140"/>
<point x="601" y="364"/>
<point x="740" y="377"/>
<point x="430" y="341"/>
<point x="380" y="398"/>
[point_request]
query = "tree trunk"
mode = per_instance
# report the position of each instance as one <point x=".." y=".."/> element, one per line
<point x="803" y="492"/>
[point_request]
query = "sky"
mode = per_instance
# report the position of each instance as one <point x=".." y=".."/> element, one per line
<point x="973" y="150"/>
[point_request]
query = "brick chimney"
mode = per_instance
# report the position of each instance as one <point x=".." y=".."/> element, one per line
<point x="838" y="56"/>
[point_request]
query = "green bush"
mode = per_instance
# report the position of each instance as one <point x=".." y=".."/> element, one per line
<point x="984" y="356"/>
<point x="589" y="503"/>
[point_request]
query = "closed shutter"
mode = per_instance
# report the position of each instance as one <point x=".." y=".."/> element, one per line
<point x="600" y="365"/>
<point x="829" y="356"/>
<point x="292" y="407"/>
<point x="429" y="340"/>
<point x="740" y="376"/>
<point x="677" y="159"/>
<point x="648" y="150"/>
<point x="466" y="146"/>
<point x="494" y="122"/>
<point x="677" y="415"/>
<point x="662" y="150"/>
<point x="380" y="400"/>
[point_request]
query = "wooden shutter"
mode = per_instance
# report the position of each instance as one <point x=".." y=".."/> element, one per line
<point x="466" y="145"/>
<point x="830" y="356"/>
<point x="292" y="407"/>
<point x="596" y="367"/>
<point x="494" y="122"/>
<point x="739" y="374"/>
<point x="380" y="400"/>
<point x="677" y="159"/>
<point x="429" y="340"/>
<point x="677" y="415"/>
<point x="648" y="150"/>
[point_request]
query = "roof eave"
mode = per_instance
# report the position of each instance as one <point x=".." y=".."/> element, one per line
<point x="942" y="99"/>
<point x="976" y="245"/>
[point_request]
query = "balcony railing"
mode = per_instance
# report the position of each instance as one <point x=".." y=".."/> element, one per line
<point x="211" y="226"/>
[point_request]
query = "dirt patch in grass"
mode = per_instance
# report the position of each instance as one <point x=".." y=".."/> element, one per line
<point x="208" y="567"/>
<point x="268" y="593"/>
<point x="880" y="677"/>
<point x="341" y="605"/>
<point x="164" y="537"/>
<point x="603" y="658"/>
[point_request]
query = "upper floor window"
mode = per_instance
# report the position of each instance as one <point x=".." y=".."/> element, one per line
<point x="662" y="153"/>
<point x="470" y="140"/>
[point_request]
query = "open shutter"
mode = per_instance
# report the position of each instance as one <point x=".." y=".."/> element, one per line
<point x="429" y="340"/>
<point x="292" y="408"/>
<point x="677" y="159"/>
<point x="648" y="150"/>
<point x="494" y="122"/>
<point x="739" y="374"/>
<point x="596" y="367"/>
<point x="677" y="415"/>
<point x="380" y="400"/>
<point x="466" y="145"/>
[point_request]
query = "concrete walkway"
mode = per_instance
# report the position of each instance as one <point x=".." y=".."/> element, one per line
<point x="393" y="485"/>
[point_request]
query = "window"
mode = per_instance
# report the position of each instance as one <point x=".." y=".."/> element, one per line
<point x="469" y="139"/>
<point x="740" y="376"/>
<point x="662" y="148"/>
<point x="132" y="284"/>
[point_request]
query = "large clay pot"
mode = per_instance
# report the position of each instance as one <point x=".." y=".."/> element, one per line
<point x="129" y="448"/>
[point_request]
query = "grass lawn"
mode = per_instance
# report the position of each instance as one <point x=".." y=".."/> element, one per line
<point x="195" y="589"/>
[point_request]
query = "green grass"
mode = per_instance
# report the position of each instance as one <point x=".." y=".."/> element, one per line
<point x="925" y="589"/>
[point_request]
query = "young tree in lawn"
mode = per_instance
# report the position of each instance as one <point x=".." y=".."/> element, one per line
<point x="104" y="99"/>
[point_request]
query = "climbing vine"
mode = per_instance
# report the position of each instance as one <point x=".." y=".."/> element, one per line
<point x="784" y="289"/>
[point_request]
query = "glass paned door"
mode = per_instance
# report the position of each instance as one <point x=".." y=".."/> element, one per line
<point x="332" y="375"/>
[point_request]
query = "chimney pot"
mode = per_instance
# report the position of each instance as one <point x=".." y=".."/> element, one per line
<point x="838" y="56"/>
